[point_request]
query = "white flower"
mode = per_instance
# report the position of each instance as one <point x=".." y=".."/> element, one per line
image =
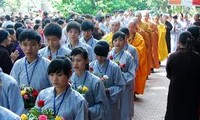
<point x="80" y="87"/>
<point x="105" y="77"/>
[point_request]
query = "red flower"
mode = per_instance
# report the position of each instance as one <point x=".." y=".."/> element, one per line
<point x="35" y="93"/>
<point x="40" y="103"/>
<point x="111" y="57"/>
<point x="91" y="69"/>
<point x="122" y="65"/>
<point x="49" y="57"/>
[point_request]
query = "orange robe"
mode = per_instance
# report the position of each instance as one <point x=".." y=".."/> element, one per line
<point x="141" y="73"/>
<point x="142" y="30"/>
<point x="153" y="32"/>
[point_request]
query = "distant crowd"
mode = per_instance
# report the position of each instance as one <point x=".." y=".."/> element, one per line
<point x="111" y="56"/>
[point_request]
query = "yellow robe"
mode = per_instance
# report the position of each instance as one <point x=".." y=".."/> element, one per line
<point x="141" y="73"/>
<point x="108" y="38"/>
<point x="162" y="45"/>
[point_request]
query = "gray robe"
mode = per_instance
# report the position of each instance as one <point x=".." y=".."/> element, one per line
<point x="73" y="107"/>
<point x="128" y="73"/>
<point x="39" y="80"/>
<point x="62" y="52"/>
<point x="86" y="46"/>
<point x="114" y="84"/>
<point x="6" y="114"/>
<point x="96" y="96"/>
<point x="91" y="42"/>
<point x="10" y="95"/>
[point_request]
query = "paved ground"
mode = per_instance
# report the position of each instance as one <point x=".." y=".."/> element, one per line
<point x="152" y="105"/>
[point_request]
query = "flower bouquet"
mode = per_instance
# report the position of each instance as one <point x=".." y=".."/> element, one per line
<point x="82" y="89"/>
<point x="102" y="77"/>
<point x="117" y="62"/>
<point x="29" y="96"/>
<point x="40" y="113"/>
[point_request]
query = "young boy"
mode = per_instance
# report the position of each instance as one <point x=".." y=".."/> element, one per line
<point x="87" y="28"/>
<point x="53" y="34"/>
<point x="125" y="61"/>
<point x="73" y="32"/>
<point x="31" y="70"/>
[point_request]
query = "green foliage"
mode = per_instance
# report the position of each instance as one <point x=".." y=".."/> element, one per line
<point x="2" y="3"/>
<point x="92" y="6"/>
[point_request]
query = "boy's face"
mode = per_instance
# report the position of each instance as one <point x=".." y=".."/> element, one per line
<point x="87" y="34"/>
<point x="53" y="41"/>
<point x="30" y="48"/>
<point x="73" y="34"/>
<point x="13" y="37"/>
<point x="119" y="43"/>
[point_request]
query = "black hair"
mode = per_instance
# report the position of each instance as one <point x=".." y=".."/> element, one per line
<point x="37" y="21"/>
<point x="60" y="22"/>
<point x="81" y="51"/>
<point x="79" y="20"/>
<point x="100" y="18"/>
<point x="53" y="29"/>
<point x="36" y="27"/>
<point x="118" y="34"/>
<point x="11" y="31"/>
<point x="184" y="36"/>
<point x="9" y="26"/>
<point x="45" y="22"/>
<point x="56" y="19"/>
<point x="87" y="25"/>
<point x="3" y="35"/>
<point x="18" y="25"/>
<point x="30" y="35"/>
<point x="186" y="40"/>
<point x="73" y="25"/>
<point x="7" y="17"/>
<point x="107" y="15"/>
<point x="125" y="30"/>
<point x="115" y="11"/>
<point x="88" y="16"/>
<point x="58" y="65"/>
<point x="101" y="48"/>
<point x="194" y="30"/>
<point x="19" y="30"/>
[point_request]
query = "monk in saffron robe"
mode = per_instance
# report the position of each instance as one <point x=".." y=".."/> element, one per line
<point x="153" y="41"/>
<point x="137" y="41"/>
<point x="142" y="30"/>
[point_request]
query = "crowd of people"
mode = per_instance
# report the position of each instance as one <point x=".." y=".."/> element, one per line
<point x="110" y="55"/>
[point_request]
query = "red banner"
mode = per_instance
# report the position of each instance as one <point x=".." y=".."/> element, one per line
<point x="177" y="2"/>
<point x="195" y="2"/>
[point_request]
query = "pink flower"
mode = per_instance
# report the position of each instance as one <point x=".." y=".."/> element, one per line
<point x="111" y="57"/>
<point x="43" y="117"/>
<point x="122" y="65"/>
<point x="40" y="103"/>
<point x="26" y="96"/>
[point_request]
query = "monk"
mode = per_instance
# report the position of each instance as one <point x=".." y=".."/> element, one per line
<point x="142" y="29"/>
<point x="153" y="41"/>
<point x="138" y="42"/>
<point x="162" y="45"/>
<point x="115" y="25"/>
